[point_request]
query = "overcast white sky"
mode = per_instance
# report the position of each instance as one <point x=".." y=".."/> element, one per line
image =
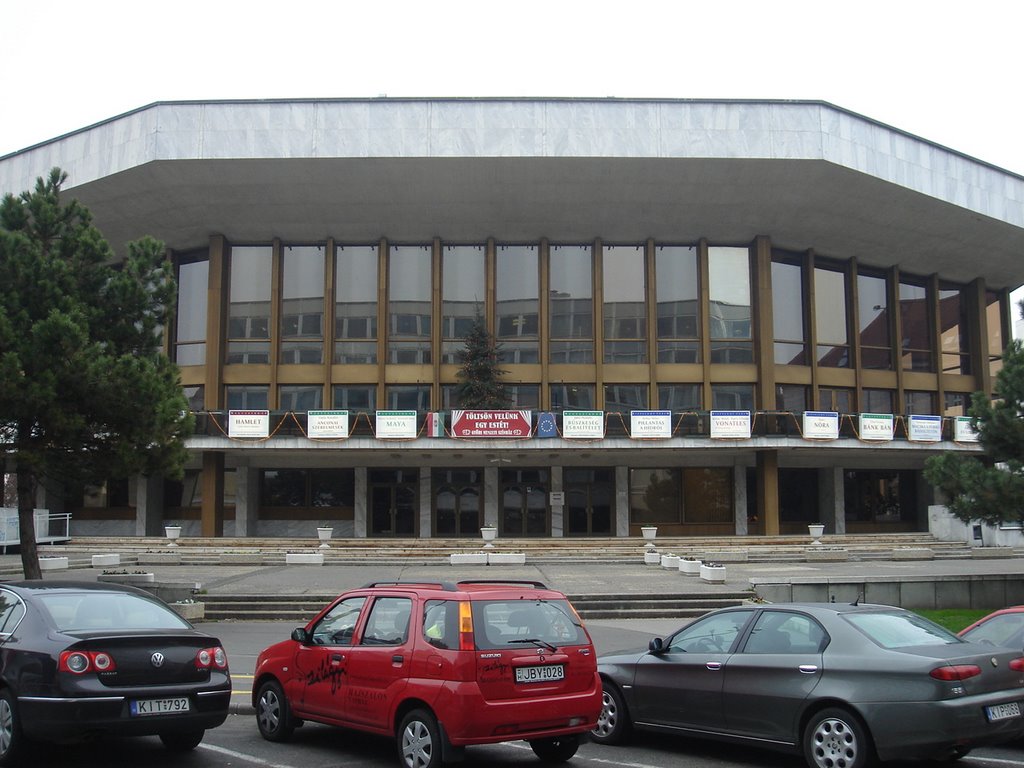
<point x="946" y="71"/>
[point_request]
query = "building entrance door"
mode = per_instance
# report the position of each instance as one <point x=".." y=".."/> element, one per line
<point x="394" y="498"/>
<point x="457" y="502"/>
<point x="524" y="503"/>
<point x="589" y="494"/>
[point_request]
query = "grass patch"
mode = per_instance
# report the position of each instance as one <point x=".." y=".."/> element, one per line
<point x="955" y="619"/>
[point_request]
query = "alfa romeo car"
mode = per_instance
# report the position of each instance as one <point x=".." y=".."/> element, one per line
<point x="439" y="666"/>
<point x="843" y="684"/>
<point x="85" y="659"/>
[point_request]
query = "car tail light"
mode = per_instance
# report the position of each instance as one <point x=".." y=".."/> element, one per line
<point x="466" y="627"/>
<point x="212" y="658"/>
<point x="1017" y="665"/>
<point x="956" y="672"/>
<point x="81" y="662"/>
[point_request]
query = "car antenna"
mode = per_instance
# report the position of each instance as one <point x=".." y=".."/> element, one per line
<point x="860" y="596"/>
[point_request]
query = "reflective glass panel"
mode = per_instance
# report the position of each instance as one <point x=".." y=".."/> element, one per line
<point x="830" y="318"/>
<point x="462" y="291"/>
<point x="571" y="303"/>
<point x="517" y="303"/>
<point x="679" y="397"/>
<point x="625" y="304"/>
<point x="954" y="329"/>
<point x="355" y="304"/>
<point x="193" y="278"/>
<point x="873" y="318"/>
<point x="916" y="343"/>
<point x="409" y="287"/>
<point x="788" y="313"/>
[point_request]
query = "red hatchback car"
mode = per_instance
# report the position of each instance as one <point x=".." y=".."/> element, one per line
<point x="439" y="666"/>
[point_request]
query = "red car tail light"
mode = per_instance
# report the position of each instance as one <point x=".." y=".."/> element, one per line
<point x="466" y="627"/>
<point x="212" y="658"/>
<point x="1017" y="665"/>
<point x="81" y="662"/>
<point x="956" y="672"/>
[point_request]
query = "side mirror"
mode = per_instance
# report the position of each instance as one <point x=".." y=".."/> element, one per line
<point x="300" y="635"/>
<point x="657" y="645"/>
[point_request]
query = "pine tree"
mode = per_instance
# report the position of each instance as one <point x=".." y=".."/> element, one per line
<point x="480" y="384"/>
<point x="86" y="392"/>
<point x="989" y="489"/>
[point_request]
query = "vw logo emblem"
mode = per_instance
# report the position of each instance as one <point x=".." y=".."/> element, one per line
<point x="157" y="659"/>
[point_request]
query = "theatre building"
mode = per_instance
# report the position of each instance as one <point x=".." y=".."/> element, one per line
<point x="717" y="317"/>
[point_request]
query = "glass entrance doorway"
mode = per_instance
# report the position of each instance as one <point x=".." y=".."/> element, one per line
<point x="524" y="502"/>
<point x="589" y="495"/>
<point x="394" y="495"/>
<point x="457" y="502"/>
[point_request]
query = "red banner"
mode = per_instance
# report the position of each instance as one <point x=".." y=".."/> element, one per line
<point x="490" y="423"/>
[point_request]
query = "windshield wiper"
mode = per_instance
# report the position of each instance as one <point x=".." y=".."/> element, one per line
<point x="536" y="641"/>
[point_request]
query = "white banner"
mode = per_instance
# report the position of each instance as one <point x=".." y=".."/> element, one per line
<point x="248" y="423"/>
<point x="927" y="429"/>
<point x="650" y="423"/>
<point x="323" y="424"/>
<point x="964" y="432"/>
<point x="396" y="424"/>
<point x="733" y="425"/>
<point x="876" y="426"/>
<point x="821" y="425"/>
<point x="583" y="424"/>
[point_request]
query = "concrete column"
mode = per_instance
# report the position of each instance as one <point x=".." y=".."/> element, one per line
<point x="247" y="502"/>
<point x="426" y="503"/>
<point x="832" y="499"/>
<point x="212" y="523"/>
<point x="739" y="499"/>
<point x="622" y="502"/>
<point x="557" y="510"/>
<point x="149" y="505"/>
<point x="768" y="490"/>
<point x="491" y="496"/>
<point x="362" y="495"/>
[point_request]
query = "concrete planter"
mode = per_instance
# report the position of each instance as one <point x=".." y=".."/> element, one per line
<point x="304" y="558"/>
<point x="671" y="562"/>
<point x="158" y="558"/>
<point x="652" y="558"/>
<point x="489" y="534"/>
<point x="467" y="558"/>
<point x="712" y="574"/>
<point x="324" y="535"/>
<point x="240" y="558"/>
<point x="689" y="567"/>
<point x="104" y="561"/>
<point x="986" y="553"/>
<point x="650" y="533"/>
<point x="53" y="563"/>
<point x="913" y="553"/>
<point x="826" y="555"/>
<point x="173" y="533"/>
<point x="127" y="578"/>
<point x="506" y="558"/>
<point x="189" y="611"/>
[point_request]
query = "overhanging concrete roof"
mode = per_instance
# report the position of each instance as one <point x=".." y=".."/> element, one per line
<point x="808" y="174"/>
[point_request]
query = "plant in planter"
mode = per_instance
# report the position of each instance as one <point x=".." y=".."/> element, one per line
<point x="689" y="566"/>
<point x="712" y="572"/>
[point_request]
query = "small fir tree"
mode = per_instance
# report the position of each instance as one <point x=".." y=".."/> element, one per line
<point x="86" y="392"/>
<point x="480" y="385"/>
<point x="989" y="489"/>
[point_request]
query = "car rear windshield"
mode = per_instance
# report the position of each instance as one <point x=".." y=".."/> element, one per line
<point x="73" y="611"/>
<point x="518" y="623"/>
<point x="900" y="630"/>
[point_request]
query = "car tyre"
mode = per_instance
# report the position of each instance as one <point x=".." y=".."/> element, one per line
<point x="273" y="715"/>
<point x="11" y="738"/>
<point x="182" y="742"/>
<point x="835" y="738"/>
<point x="613" y="724"/>
<point x="557" y="749"/>
<point x="419" y="740"/>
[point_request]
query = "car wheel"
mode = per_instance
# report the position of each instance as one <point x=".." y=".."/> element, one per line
<point x="273" y="715"/>
<point x="835" y="738"/>
<point x="613" y="723"/>
<point x="182" y="742"/>
<point x="11" y="738"/>
<point x="419" y="740"/>
<point x="556" y="750"/>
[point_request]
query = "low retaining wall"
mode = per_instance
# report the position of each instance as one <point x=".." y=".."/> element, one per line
<point x="967" y="591"/>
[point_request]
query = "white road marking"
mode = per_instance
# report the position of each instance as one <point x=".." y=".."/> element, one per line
<point x="577" y="758"/>
<point x="243" y="756"/>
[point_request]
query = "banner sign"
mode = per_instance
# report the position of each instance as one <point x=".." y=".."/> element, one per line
<point x="876" y="426"/>
<point x="588" y="425"/>
<point x="926" y="429"/>
<point x="733" y="425"/>
<point x="650" y="423"/>
<point x="327" y="424"/>
<point x="821" y="425"/>
<point x="547" y="426"/>
<point x="396" y="424"/>
<point x="490" y="423"/>
<point x="963" y="431"/>
<point x="435" y="424"/>
<point x="248" y="423"/>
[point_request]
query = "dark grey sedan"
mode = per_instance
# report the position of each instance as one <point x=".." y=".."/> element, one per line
<point x="841" y="684"/>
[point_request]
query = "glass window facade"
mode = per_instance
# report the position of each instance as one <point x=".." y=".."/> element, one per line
<point x="830" y="318"/>
<point x="731" y="328"/>
<point x="677" y="291"/>
<point x="915" y="328"/>
<point x="355" y="304"/>
<point x="953" y="330"/>
<point x="517" y="303"/>
<point x="248" y="329"/>
<point x="463" y="287"/>
<point x="571" y="304"/>
<point x="624" y="287"/>
<point x="874" y="323"/>
<point x="790" y="345"/>
<point x="409" y="304"/>
<point x="302" y="305"/>
<point x="190" y="320"/>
